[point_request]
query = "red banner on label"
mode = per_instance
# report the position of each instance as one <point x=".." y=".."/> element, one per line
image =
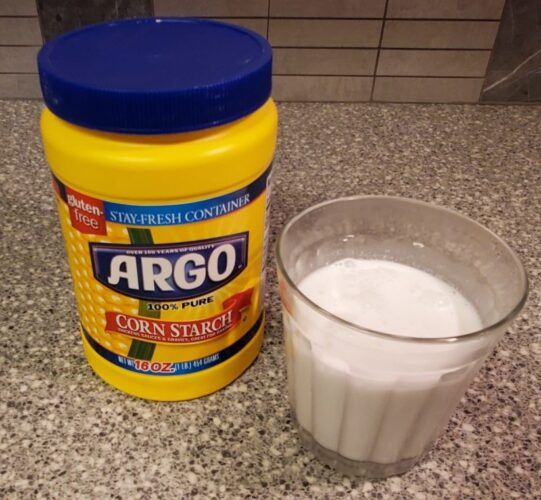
<point x="86" y="213"/>
<point x="185" y="332"/>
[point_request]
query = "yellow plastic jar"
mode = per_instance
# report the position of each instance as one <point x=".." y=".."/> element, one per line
<point x="160" y="135"/>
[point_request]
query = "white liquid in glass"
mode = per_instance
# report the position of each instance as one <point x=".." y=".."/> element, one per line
<point x="369" y="398"/>
<point x="390" y="297"/>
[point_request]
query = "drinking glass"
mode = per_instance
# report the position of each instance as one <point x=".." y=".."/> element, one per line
<point x="371" y="403"/>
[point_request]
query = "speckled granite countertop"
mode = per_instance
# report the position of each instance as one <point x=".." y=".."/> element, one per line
<point x="66" y="434"/>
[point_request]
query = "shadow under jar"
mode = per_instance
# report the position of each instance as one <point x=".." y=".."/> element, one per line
<point x="371" y="403"/>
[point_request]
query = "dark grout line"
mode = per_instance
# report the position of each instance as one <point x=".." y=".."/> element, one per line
<point x="208" y="16"/>
<point x="18" y="73"/>
<point x="424" y="19"/>
<point x="376" y="64"/>
<point x="438" y="49"/>
<point x="424" y="103"/>
<point x="417" y="103"/>
<point x="366" y="75"/>
<point x="380" y="76"/>
<point x="347" y="47"/>
<point x="438" y="77"/>
<point x="492" y="57"/>
<point x="273" y="18"/>
<point x="323" y="18"/>
<point x="268" y="17"/>
<point x="426" y="49"/>
<point x="443" y="19"/>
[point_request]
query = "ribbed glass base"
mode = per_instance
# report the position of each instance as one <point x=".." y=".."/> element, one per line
<point x="353" y="467"/>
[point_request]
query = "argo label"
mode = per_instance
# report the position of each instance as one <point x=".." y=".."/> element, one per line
<point x="170" y="272"/>
<point x="167" y="289"/>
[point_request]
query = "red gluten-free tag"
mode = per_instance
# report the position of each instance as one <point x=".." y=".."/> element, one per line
<point x="86" y="213"/>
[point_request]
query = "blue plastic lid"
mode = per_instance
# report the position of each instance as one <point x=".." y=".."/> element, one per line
<point x="155" y="75"/>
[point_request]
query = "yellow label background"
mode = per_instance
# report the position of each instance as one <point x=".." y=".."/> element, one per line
<point x="94" y="299"/>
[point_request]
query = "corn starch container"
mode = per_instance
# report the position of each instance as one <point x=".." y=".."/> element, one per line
<point x="160" y="135"/>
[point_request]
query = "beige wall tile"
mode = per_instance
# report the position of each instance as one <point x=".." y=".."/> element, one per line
<point x="324" y="33"/>
<point x="258" y="24"/>
<point x="19" y="31"/>
<point x="324" y="61"/>
<point x="440" y="34"/>
<point x="19" y="86"/>
<point x="18" y="59"/>
<point x="445" y="9"/>
<point x="322" y="88"/>
<point x="212" y="8"/>
<point x="427" y="89"/>
<point x="433" y="62"/>
<point x="18" y="8"/>
<point x="327" y="8"/>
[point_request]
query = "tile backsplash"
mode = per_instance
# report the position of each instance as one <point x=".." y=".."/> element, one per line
<point x="340" y="50"/>
<point x="363" y="50"/>
<point x="20" y="39"/>
<point x="445" y="9"/>
<point x="338" y="33"/>
<point x="438" y="34"/>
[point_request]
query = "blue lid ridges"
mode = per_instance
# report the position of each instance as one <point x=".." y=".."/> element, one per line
<point x="155" y="75"/>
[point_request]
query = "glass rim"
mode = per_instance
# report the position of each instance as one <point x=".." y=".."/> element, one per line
<point x="393" y="336"/>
